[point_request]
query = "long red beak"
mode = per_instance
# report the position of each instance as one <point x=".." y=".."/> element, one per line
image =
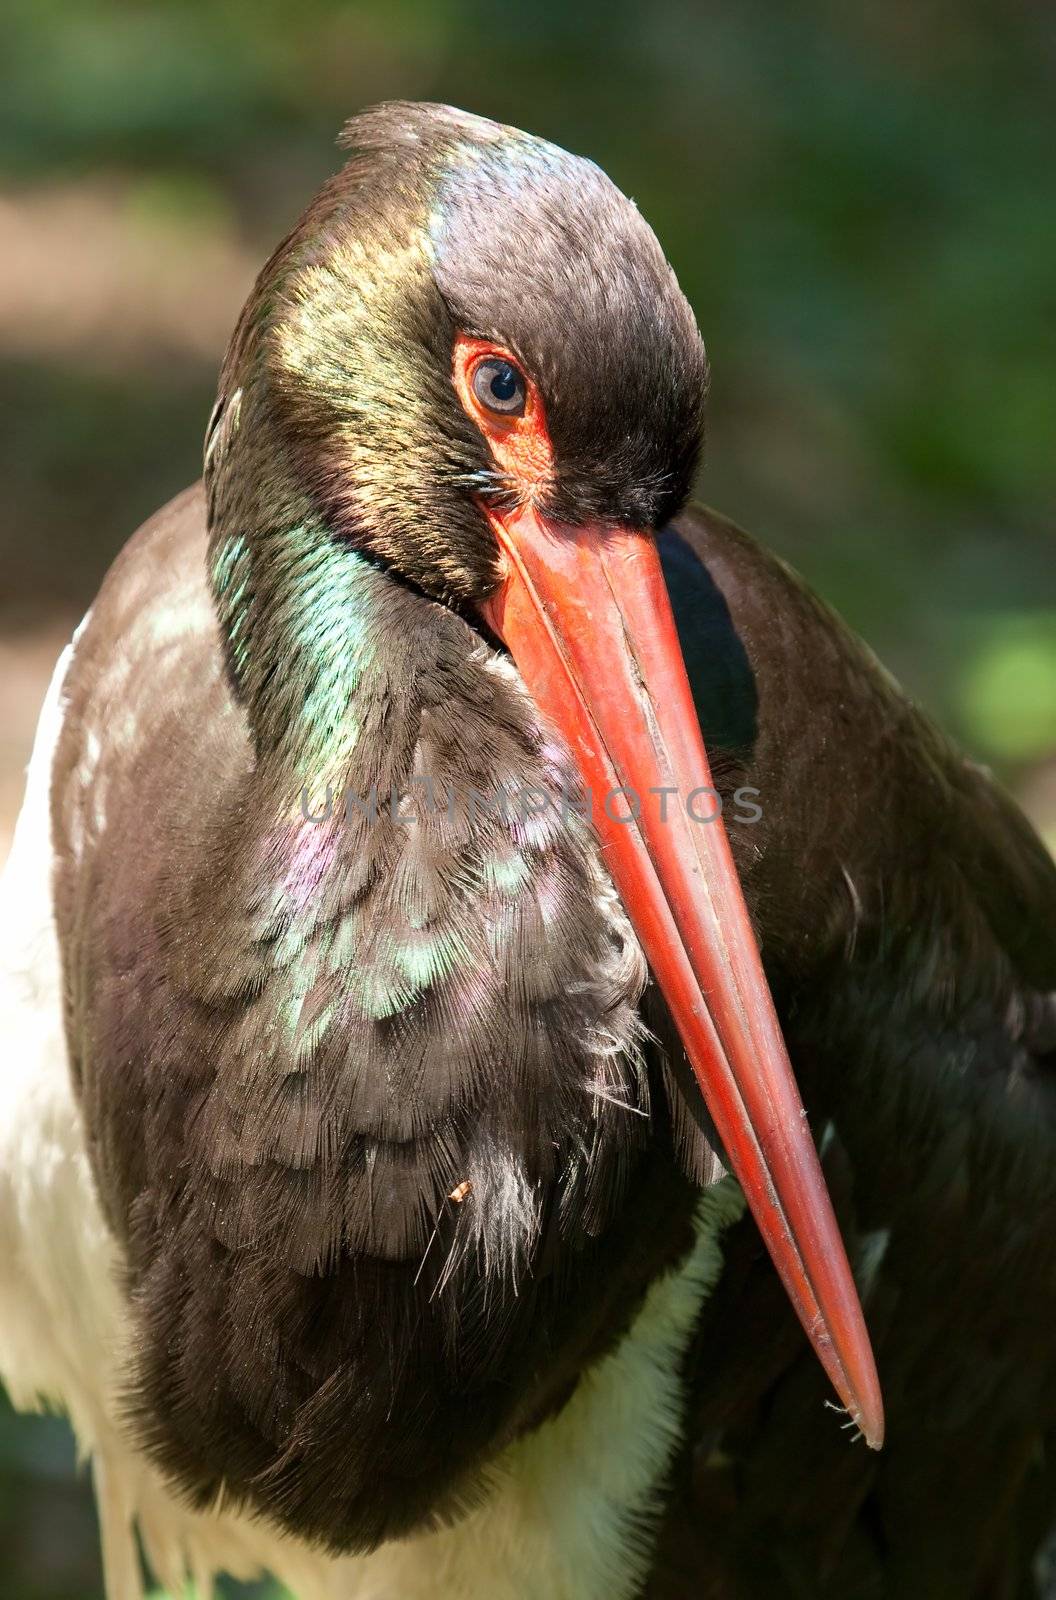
<point x="586" y="616"/>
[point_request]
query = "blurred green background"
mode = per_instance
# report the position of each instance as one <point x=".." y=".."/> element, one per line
<point x="860" y="202"/>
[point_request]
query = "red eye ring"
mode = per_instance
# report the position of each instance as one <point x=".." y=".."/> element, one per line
<point x="519" y="439"/>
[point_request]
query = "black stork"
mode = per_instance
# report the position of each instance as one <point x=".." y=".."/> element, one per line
<point x="381" y="995"/>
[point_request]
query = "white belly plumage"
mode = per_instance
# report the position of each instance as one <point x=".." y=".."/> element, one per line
<point x="569" y="1509"/>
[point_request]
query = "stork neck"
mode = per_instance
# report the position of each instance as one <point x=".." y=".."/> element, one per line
<point x="305" y="618"/>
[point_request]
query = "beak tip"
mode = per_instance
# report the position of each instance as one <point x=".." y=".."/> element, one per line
<point x="871" y="1424"/>
<point x="866" y="1415"/>
<point x="867" y="1421"/>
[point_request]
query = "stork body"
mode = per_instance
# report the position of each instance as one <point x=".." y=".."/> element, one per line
<point x="357" y="1195"/>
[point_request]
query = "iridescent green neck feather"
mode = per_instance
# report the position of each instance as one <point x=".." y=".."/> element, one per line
<point x="301" y="637"/>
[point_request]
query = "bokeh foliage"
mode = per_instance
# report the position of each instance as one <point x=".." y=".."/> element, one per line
<point x="860" y="202"/>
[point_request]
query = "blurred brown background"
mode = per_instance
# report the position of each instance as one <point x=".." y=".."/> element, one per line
<point x="860" y="203"/>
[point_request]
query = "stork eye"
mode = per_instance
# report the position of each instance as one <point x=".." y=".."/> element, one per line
<point x="499" y="386"/>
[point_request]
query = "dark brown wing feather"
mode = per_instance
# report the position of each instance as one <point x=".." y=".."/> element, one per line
<point x="908" y="920"/>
